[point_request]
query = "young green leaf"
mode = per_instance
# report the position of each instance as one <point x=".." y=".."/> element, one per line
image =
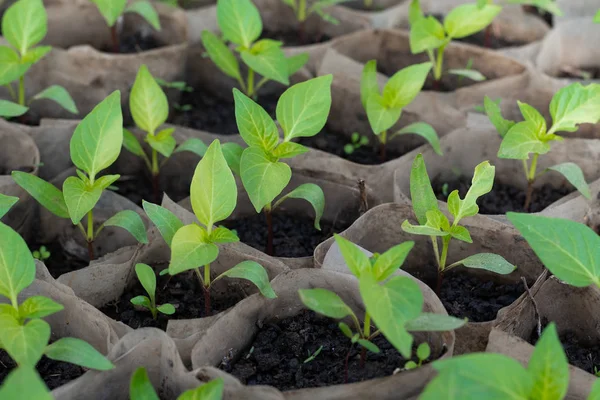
<point x="263" y="179"/>
<point x="255" y="273"/>
<point x="468" y="73"/>
<point x="488" y="261"/>
<point x="142" y="301"/>
<point x="269" y="62"/>
<point x="567" y="248"/>
<point x="492" y="109"/>
<point x="24" y="383"/>
<point x="45" y="193"/>
<point x="532" y="115"/>
<point x="423" y="351"/>
<point x="402" y="88"/>
<point x="358" y="263"/>
<point x="575" y="104"/>
<point x="60" y="95"/>
<point x="167" y="309"/>
<point x="311" y="193"/>
<point x="391" y="261"/>
<point x="289" y="150"/>
<point x="574" y="175"/>
<point x="147" y="278"/>
<point x="549" y="367"/>
<point x="426" y="34"/>
<point x="424" y="230"/>
<point x="80" y="198"/>
<point x="132" y="144"/>
<point x="212" y="390"/>
<point x="381" y="117"/>
<point x="38" y="307"/>
<point x="111" y="10"/>
<point x="105" y="181"/>
<point x="424" y="130"/>
<point x="255" y="125"/>
<point x="221" y="55"/>
<point x="520" y="140"/>
<point x="148" y="103"/>
<point x="196" y="146"/>
<point x="11" y="65"/>
<point x="25" y="24"/>
<point x="17" y="267"/>
<point x="239" y="21"/>
<point x="140" y="387"/>
<point x="482" y="182"/>
<point x="414" y="12"/>
<point x="368" y="345"/>
<point x="167" y="223"/>
<point x="467" y="19"/>
<point x="325" y="302"/>
<point x="8" y="109"/>
<point x="36" y="54"/>
<point x="368" y="82"/>
<point x="189" y="249"/>
<point x="6" y="203"/>
<point x="163" y="141"/>
<point x="131" y="222"/>
<point x="428" y="322"/>
<point x="421" y="192"/>
<point x="223" y="235"/>
<point x="146" y="11"/>
<point x="294" y="63"/>
<point x="78" y="352"/>
<point x="595" y="393"/>
<point x="24" y="343"/>
<point x="345" y="330"/>
<point x="597" y="21"/>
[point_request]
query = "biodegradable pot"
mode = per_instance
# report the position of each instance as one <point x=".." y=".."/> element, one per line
<point x="236" y="329"/>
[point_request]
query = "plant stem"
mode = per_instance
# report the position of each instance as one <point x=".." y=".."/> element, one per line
<point x="487" y="38"/>
<point x="442" y="264"/>
<point x="22" y="90"/>
<point x="115" y="38"/>
<point x="530" y="181"/>
<point x="269" y="218"/>
<point x="346" y="364"/>
<point x="90" y="234"/>
<point x="155" y="176"/>
<point x="250" y="86"/>
<point x="207" y="305"/>
<point x="438" y="286"/>
<point x="382" y="147"/>
<point x="11" y="90"/>
<point x="366" y="334"/>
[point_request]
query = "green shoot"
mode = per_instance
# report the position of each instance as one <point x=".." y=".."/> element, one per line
<point x="303" y="9"/>
<point x="356" y="142"/>
<point x="314" y="355"/>
<point x="140" y="388"/>
<point x="146" y="276"/>
<point x="423" y="353"/>
<point x="42" y="254"/>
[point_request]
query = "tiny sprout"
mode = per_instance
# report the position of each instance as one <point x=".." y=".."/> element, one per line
<point x="314" y="355"/>
<point x="145" y="275"/>
<point x="140" y="388"/>
<point x="423" y="353"/>
<point x="445" y="189"/>
<point x="357" y="141"/>
<point x="303" y="11"/>
<point x="42" y="254"/>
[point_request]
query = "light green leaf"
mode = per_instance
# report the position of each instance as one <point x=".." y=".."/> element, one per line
<point x="263" y="179"/>
<point x="8" y="109"/>
<point x="223" y="235"/>
<point x="146" y="11"/>
<point x="595" y="393"/>
<point x="163" y="141"/>
<point x="294" y="63"/>
<point x="421" y="192"/>
<point x="6" y="203"/>
<point x="311" y="193"/>
<point x="423" y="230"/>
<point x="414" y="12"/>
<point x="549" y="367"/>
<point x="488" y="261"/>
<point x="467" y="19"/>
<point x="368" y="82"/>
<point x="105" y="181"/>
<point x="368" y="345"/>
<point x="255" y="125"/>
<point x="166" y="222"/>
<point x="289" y="150"/>
<point x="213" y="191"/>
<point x="574" y="175"/>
<point x="132" y="144"/>
<point x="436" y="219"/>
<point x="345" y="330"/>
<point x="472" y="74"/>
<point x="429" y="322"/>
<point x="302" y="110"/>
<point x="381" y="117"/>
<point x="24" y="343"/>
<point x="495" y="115"/>
<point x="38" y="307"/>
<point x="356" y="261"/>
<point x="253" y="272"/>
<point x="80" y="198"/>
<point x="60" y="95"/>
<point x="325" y="302"/>
<point x="78" y="352"/>
<point x="97" y="140"/>
<point x="24" y="383"/>
<point x="212" y="390"/>
<point x="140" y="387"/>
<point x="391" y="305"/>
<point x="45" y="193"/>
<point x="147" y="101"/>
<point x="461" y="233"/>
<point x="546" y="5"/>
<point x="233" y="154"/>
<point x="402" y="88"/>
<point x="36" y="54"/>
<point x="392" y="260"/>
<point x="193" y="145"/>
<point x="17" y="267"/>
<point x="131" y="222"/>
<point x="142" y="301"/>
<point x="482" y="182"/>
<point x="167" y="309"/>
<point x="271" y="64"/>
<point x="11" y="66"/>
<point x="221" y="55"/>
<point x="423" y="351"/>
<point x="426" y="34"/>
<point x="532" y="115"/>
<point x="189" y="249"/>
<point x="147" y="278"/>
<point x="597" y="21"/>
<point x="573" y="105"/>
<point x="424" y="130"/>
<point x="25" y="24"/>
<point x="111" y="10"/>
<point x="520" y="140"/>
<point x="570" y="250"/>
<point x="239" y="21"/>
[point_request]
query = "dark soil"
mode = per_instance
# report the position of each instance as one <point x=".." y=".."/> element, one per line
<point x="294" y="37"/>
<point x="277" y="355"/>
<point x="464" y="295"/>
<point x="183" y="291"/>
<point x="139" y="187"/>
<point x="489" y="42"/>
<point x="503" y="198"/>
<point x="60" y="262"/>
<point x="293" y="235"/>
<point x="54" y="373"/>
<point x="135" y="43"/>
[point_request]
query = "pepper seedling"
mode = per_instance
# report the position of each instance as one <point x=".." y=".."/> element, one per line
<point x="147" y="278"/>
<point x="213" y="194"/>
<point x="25" y="24"/>
<point x="41" y="254"/>
<point x="24" y="334"/>
<point x="113" y="10"/>
<point x="356" y="142"/>
<point x="95" y="146"/>
<point x="572" y="105"/>
<point x="302" y="111"/>
<point x="434" y="223"/>
<point x="303" y="10"/>
<point x="140" y="388"/>
<point x="423" y="353"/>
<point x="427" y="34"/>
<point x="384" y="109"/>
<point x="240" y="22"/>
<point x="394" y="303"/>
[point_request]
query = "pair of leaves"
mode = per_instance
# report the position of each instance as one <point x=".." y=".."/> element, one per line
<point x="147" y="278"/>
<point x="141" y="388"/>
<point x="111" y="10"/>
<point x="56" y="93"/>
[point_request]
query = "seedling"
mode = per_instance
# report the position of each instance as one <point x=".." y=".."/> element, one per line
<point x="95" y="146"/>
<point x="572" y="105"/>
<point x="146" y="276"/>
<point x="141" y="388"/>
<point x="302" y="111"/>
<point x="24" y="334"/>
<point x="394" y="303"/>
<point x="384" y="109"/>
<point x="314" y="355"/>
<point x="597" y="17"/>
<point x="303" y="10"/>
<point x="213" y="194"/>
<point x="434" y="223"/>
<point x="427" y="34"/>
<point x="113" y="10"/>
<point x="240" y="22"/>
<point x="423" y="353"/>
<point x="42" y="254"/>
<point x="24" y="25"/>
<point x="356" y="142"/>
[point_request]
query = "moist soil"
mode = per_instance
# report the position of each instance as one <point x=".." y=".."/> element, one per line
<point x="278" y="353"/>
<point x="60" y="262"/>
<point x="294" y="37"/>
<point x="503" y="198"/>
<point x="54" y="373"/>
<point x="293" y="235"/>
<point x="477" y="299"/>
<point x="139" y="187"/>
<point x="134" y="43"/>
<point x="183" y="291"/>
<point x="489" y="42"/>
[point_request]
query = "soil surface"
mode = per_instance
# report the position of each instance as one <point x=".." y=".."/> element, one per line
<point x="183" y="291"/>
<point x="488" y="40"/>
<point x="134" y="43"/>
<point x="278" y="354"/>
<point x="503" y="198"/>
<point x="464" y="295"/>
<point x="54" y="373"/>
<point x="293" y="235"/>
<point x="295" y="38"/>
<point x="139" y="187"/>
<point x="60" y="262"/>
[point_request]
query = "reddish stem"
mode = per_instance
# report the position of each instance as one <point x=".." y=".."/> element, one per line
<point x="487" y="39"/>
<point x="438" y="287"/>
<point x="528" y="196"/>
<point x="363" y="357"/>
<point x="115" y="38"/>
<point x="382" y="152"/>
<point x="207" y="306"/>
<point x="155" y="188"/>
<point x="90" y="246"/>
<point x="436" y="86"/>
<point x="269" y="218"/>
<point x="346" y="365"/>
<point x="302" y="32"/>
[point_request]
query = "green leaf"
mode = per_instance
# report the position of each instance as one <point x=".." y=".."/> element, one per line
<point x="422" y="230"/>
<point x="492" y="109"/>
<point x="482" y="182"/>
<point x="426" y="34"/>
<point x="573" y="105"/>
<point x="45" y="193"/>
<point x="147" y="278"/>
<point x="189" y="249"/>
<point x="223" y="235"/>
<point x="221" y="55"/>
<point x="595" y="393"/>
<point x="105" y="181"/>
<point x="424" y="130"/>
<point x="549" y="367"/>
<point x="467" y="19"/>
<point x="233" y="154"/>
<point x="193" y="145"/>
<point x="140" y="387"/>
<point x="212" y="390"/>
<point x="263" y="179"/>
<point x="532" y="115"/>
<point x="166" y="222"/>
<point x="368" y="82"/>
<point x="369" y="346"/>
<point x="78" y="352"/>
<point x="147" y="101"/>
<point x="391" y="305"/>
<point x="111" y="10"/>
<point x="36" y="54"/>
<point x="345" y="330"/>
<point x="461" y="233"/>
<point x="429" y="322"/>
<point x="311" y="193"/>
<point x="142" y="301"/>
<point x="295" y="63"/>
<point x="213" y="191"/>
<point x="436" y="219"/>
<point x="132" y="144"/>
<point x="325" y="302"/>
<point x="255" y="125"/>
<point x="17" y="267"/>
<point x="423" y="351"/>
<point x="392" y="260"/>
<point x="25" y="24"/>
<point x="97" y="140"/>
<point x="24" y="343"/>
<point x="239" y="21"/>
<point x="8" y="109"/>
<point x="597" y="21"/>
<point x="289" y="150"/>
<point x="414" y="12"/>
<point x="570" y="250"/>
<point x="271" y="64"/>
<point x="38" y="307"/>
<point x="488" y="261"/>
<point x="574" y="175"/>
<point x="167" y="309"/>
<point x="520" y="140"/>
<point x="302" y="110"/>
<point x="60" y="95"/>
<point x="11" y="66"/>
<point x="402" y="88"/>
<point x="472" y="74"/>
<point x="381" y="117"/>
<point x="131" y="222"/>
<point x="79" y="197"/>
<point x="163" y="141"/>
<point x="421" y="192"/>
<point x="24" y="383"/>
<point x="356" y="261"/>
<point x="146" y="11"/>
<point x="6" y="203"/>
<point x="253" y="272"/>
